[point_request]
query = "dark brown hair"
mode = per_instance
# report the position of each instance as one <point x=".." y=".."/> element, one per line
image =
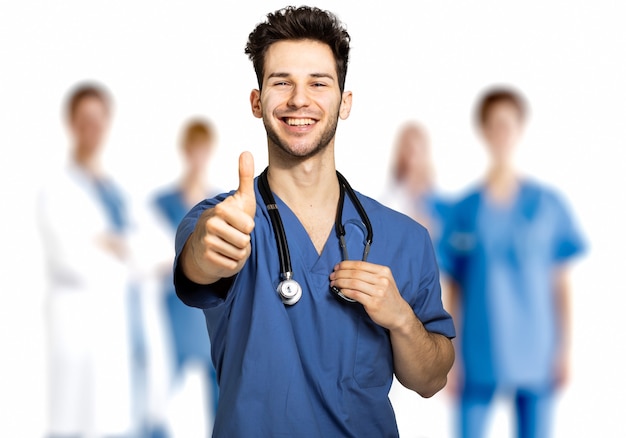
<point x="83" y="91"/>
<point x="499" y="94"/>
<point x="300" y="23"/>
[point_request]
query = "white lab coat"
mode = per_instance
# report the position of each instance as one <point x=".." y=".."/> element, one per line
<point x="87" y="313"/>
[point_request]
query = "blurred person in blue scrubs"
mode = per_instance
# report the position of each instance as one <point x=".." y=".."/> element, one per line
<point x="309" y="364"/>
<point x="186" y="326"/>
<point x="84" y="223"/>
<point x="411" y="188"/>
<point x="505" y="252"/>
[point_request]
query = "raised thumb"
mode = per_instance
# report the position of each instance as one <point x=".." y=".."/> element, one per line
<point x="245" y="191"/>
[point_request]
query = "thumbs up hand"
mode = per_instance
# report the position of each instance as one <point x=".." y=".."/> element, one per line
<point x="245" y="193"/>
<point x="220" y="243"/>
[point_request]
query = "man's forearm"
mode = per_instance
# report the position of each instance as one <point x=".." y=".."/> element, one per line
<point x="422" y="359"/>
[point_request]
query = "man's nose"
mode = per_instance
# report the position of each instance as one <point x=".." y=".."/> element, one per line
<point x="299" y="97"/>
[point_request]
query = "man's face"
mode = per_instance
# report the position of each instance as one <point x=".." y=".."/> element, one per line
<point x="89" y="124"/>
<point x="300" y="102"/>
<point x="502" y="130"/>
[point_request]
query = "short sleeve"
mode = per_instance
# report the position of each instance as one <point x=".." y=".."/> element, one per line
<point x="444" y="251"/>
<point x="568" y="240"/>
<point x="448" y="250"/>
<point x="429" y="307"/>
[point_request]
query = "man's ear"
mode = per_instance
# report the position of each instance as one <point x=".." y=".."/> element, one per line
<point x="346" y="105"/>
<point x="255" y="103"/>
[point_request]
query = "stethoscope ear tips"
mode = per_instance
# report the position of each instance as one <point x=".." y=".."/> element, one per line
<point x="289" y="291"/>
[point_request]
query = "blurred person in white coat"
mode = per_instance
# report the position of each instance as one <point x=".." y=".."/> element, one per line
<point x="83" y="220"/>
<point x="186" y="331"/>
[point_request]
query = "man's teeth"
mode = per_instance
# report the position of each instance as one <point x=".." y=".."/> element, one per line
<point x="299" y="122"/>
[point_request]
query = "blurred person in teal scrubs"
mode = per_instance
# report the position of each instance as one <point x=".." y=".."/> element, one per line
<point x="505" y="254"/>
<point x="186" y="326"/>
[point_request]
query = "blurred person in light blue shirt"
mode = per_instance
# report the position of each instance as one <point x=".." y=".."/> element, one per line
<point x="411" y="187"/>
<point x="505" y="253"/>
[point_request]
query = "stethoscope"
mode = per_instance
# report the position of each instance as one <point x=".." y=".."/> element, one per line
<point x="289" y="289"/>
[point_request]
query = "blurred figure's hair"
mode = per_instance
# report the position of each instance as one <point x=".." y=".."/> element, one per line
<point x="197" y="130"/>
<point x="83" y="91"/>
<point x="301" y="23"/>
<point x="498" y="94"/>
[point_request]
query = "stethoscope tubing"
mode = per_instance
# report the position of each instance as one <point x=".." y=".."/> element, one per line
<point x="282" y="246"/>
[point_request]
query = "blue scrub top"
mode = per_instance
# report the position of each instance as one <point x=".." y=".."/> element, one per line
<point x="503" y="259"/>
<point x="113" y="202"/>
<point x="171" y="204"/>
<point x="438" y="208"/>
<point x="187" y="325"/>
<point x="320" y="368"/>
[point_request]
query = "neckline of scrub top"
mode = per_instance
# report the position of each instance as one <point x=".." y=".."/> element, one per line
<point x="313" y="262"/>
<point x="523" y="205"/>
<point x="501" y="205"/>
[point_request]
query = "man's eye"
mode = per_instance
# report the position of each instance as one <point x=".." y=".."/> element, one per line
<point x="319" y="84"/>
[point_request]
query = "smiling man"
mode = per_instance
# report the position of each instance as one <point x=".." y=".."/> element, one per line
<point x="314" y="295"/>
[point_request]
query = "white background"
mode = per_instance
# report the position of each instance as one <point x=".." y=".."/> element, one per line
<point x="424" y="60"/>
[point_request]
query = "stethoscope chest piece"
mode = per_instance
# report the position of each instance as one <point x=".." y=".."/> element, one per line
<point x="289" y="290"/>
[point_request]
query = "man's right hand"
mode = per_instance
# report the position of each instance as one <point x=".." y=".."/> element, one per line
<point x="220" y="244"/>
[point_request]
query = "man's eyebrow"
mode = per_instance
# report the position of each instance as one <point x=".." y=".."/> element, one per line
<point x="313" y="75"/>
<point x="323" y="75"/>
<point x="278" y="75"/>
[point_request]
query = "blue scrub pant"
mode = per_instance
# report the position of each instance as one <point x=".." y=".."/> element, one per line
<point x="78" y="436"/>
<point x="191" y="343"/>
<point x="533" y="411"/>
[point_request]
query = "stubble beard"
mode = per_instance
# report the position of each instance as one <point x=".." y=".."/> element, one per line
<point x="303" y="153"/>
